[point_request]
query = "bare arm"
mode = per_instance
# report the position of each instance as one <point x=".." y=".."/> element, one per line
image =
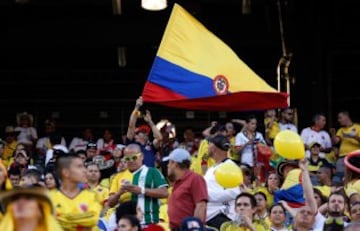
<point x="288" y="208"/>
<point x="114" y="198"/>
<point x="133" y="118"/>
<point x="206" y="131"/>
<point x="150" y="192"/>
<point x="200" y="211"/>
<point x="307" y="186"/>
<point x="156" y="132"/>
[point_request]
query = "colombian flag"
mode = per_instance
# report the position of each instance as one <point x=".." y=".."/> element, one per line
<point x="291" y="190"/>
<point x="194" y="69"/>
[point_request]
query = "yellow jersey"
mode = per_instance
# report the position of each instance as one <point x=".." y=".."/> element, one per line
<point x="102" y="193"/>
<point x="116" y="182"/>
<point x="232" y="226"/>
<point x="348" y="144"/>
<point x="75" y="214"/>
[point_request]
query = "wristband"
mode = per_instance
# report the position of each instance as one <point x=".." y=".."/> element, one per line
<point x="142" y="190"/>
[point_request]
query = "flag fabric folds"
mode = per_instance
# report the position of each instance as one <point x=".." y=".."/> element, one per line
<point x="194" y="69"/>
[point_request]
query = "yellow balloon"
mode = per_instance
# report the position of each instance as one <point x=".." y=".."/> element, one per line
<point x="289" y="145"/>
<point x="229" y="175"/>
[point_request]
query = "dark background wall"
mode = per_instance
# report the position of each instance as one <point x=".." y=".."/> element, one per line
<point x="60" y="58"/>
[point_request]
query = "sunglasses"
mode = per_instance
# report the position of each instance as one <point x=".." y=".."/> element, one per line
<point x="132" y="157"/>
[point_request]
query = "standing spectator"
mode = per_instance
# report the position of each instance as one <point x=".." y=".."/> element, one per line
<point x="93" y="181"/>
<point x="271" y="126"/>
<point x="76" y="208"/>
<point x="220" y="199"/>
<point x="141" y="134"/>
<point x="316" y="133"/>
<point x="28" y="133"/>
<point x="286" y="121"/>
<point x="348" y="137"/>
<point x="79" y="143"/>
<point x="10" y="144"/>
<point x="44" y="143"/>
<point x="148" y="184"/>
<point x="106" y="142"/>
<point x="189" y="194"/>
<point x="246" y="141"/>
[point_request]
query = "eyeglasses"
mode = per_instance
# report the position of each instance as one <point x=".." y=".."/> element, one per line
<point x="132" y="157"/>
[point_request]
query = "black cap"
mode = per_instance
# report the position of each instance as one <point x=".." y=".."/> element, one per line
<point x="221" y="142"/>
<point x="91" y="145"/>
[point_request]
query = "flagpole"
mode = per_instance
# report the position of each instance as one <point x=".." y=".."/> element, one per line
<point x="285" y="60"/>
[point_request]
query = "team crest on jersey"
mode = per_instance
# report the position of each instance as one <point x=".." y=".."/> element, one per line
<point x="221" y="85"/>
<point x="83" y="207"/>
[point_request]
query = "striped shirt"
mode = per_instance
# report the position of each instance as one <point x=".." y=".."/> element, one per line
<point x="148" y="177"/>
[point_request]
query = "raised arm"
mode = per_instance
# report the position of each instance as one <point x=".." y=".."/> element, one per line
<point x="133" y="118"/>
<point x="307" y="186"/>
<point x="156" y="132"/>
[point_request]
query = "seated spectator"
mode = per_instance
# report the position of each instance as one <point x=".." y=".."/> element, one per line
<point x="315" y="162"/>
<point x="31" y="177"/>
<point x="245" y="206"/>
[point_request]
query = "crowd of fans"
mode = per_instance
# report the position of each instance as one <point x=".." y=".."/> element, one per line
<point x="153" y="180"/>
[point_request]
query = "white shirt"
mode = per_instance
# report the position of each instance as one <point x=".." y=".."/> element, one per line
<point x="309" y="136"/>
<point x="320" y="222"/>
<point x="78" y="144"/>
<point x="246" y="154"/>
<point x="220" y="199"/>
<point x="288" y="126"/>
<point x="26" y="135"/>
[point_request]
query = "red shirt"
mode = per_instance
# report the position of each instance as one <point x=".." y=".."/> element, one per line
<point x="187" y="192"/>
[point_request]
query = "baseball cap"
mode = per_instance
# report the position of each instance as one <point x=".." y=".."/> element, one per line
<point x="193" y="224"/>
<point x="91" y="145"/>
<point x="178" y="155"/>
<point x="314" y="143"/>
<point x="21" y="152"/>
<point x="221" y="142"/>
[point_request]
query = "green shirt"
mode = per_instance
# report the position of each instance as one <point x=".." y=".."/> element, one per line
<point x="148" y="177"/>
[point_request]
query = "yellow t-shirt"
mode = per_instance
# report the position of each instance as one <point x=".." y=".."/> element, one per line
<point x="274" y="129"/>
<point x="232" y="226"/>
<point x="83" y="211"/>
<point x="116" y="184"/>
<point x="348" y="144"/>
<point x="8" y="153"/>
<point x="102" y="193"/>
<point x="203" y="154"/>
<point x="232" y="153"/>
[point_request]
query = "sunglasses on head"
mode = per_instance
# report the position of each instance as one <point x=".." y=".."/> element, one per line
<point x="132" y="157"/>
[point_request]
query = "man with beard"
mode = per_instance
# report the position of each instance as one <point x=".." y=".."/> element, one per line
<point x="335" y="219"/>
<point x="336" y="208"/>
<point x="189" y="195"/>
